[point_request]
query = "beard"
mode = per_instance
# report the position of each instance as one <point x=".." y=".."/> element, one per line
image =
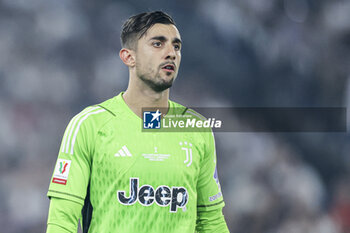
<point x="155" y="82"/>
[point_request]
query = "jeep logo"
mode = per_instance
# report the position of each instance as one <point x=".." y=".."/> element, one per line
<point x="176" y="197"/>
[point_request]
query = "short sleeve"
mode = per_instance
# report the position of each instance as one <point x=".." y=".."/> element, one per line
<point x="71" y="174"/>
<point x="208" y="186"/>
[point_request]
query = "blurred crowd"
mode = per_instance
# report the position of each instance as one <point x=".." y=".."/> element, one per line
<point x="59" y="56"/>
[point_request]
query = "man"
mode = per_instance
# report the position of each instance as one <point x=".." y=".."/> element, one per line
<point x="121" y="179"/>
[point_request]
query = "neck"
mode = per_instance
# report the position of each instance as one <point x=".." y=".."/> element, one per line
<point x="137" y="97"/>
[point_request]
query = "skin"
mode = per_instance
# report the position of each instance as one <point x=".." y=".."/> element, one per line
<point x="148" y="82"/>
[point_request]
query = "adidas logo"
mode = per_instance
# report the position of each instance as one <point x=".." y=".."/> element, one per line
<point x="123" y="152"/>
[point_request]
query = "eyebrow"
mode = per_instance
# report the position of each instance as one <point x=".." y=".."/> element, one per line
<point x="163" y="39"/>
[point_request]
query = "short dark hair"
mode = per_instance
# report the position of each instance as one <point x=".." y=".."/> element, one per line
<point x="137" y="25"/>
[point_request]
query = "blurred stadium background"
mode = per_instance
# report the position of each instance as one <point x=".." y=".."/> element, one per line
<point x="59" y="56"/>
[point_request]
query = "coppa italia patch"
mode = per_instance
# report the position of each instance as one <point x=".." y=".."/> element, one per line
<point x="60" y="176"/>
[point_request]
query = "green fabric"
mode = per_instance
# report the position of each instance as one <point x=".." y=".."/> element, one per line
<point x="104" y="146"/>
<point x="211" y="221"/>
<point x="63" y="216"/>
<point x="54" y="228"/>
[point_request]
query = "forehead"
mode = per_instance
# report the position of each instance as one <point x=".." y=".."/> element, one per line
<point x="167" y="30"/>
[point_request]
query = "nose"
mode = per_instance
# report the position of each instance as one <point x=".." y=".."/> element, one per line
<point x="170" y="53"/>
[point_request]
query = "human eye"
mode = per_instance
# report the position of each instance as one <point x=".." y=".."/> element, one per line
<point x="157" y="44"/>
<point x="177" y="47"/>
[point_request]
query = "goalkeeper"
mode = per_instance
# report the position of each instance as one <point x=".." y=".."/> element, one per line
<point x="116" y="178"/>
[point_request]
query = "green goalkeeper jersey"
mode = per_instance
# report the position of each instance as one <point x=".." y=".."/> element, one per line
<point x="134" y="181"/>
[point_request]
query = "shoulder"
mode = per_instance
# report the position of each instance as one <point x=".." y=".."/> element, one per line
<point x="92" y="117"/>
<point x="186" y="111"/>
<point x="189" y="114"/>
<point x="83" y="126"/>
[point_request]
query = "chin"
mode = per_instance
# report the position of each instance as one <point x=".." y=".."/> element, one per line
<point x="159" y="87"/>
<point x="169" y="77"/>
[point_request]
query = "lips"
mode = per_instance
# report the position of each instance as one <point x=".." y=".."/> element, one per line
<point x="169" y="67"/>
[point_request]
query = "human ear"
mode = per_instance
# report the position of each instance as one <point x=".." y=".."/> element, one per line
<point x="127" y="56"/>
